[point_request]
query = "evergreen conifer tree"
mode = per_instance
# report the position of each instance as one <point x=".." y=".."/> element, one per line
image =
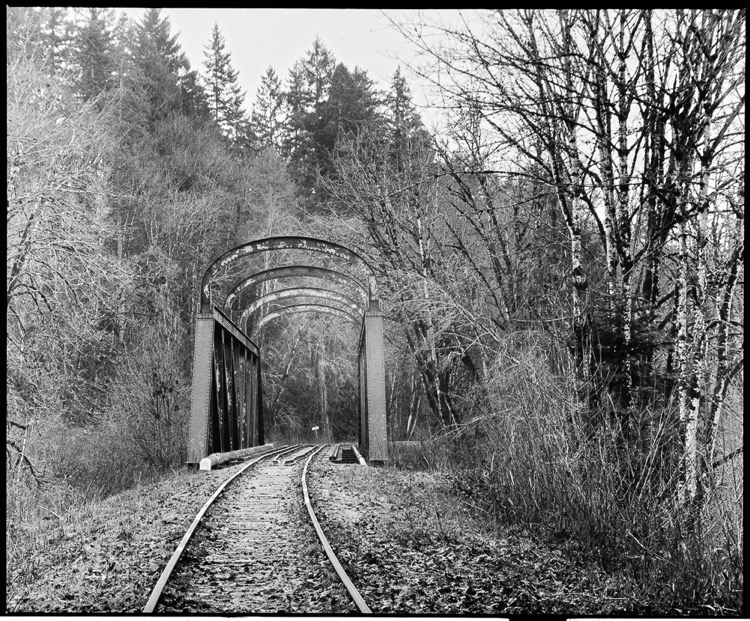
<point x="317" y="71"/>
<point x="403" y="121"/>
<point x="352" y="105"/>
<point x="402" y="115"/>
<point x="295" y="105"/>
<point x="309" y="85"/>
<point x="160" y="64"/>
<point x="93" y="52"/>
<point x="267" y="117"/>
<point x="225" y="98"/>
<point x="58" y="37"/>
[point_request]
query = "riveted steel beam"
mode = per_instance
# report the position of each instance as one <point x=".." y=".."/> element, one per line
<point x="308" y="308"/>
<point x="296" y="293"/>
<point x="226" y="389"/>
<point x="226" y="407"/>
<point x="301" y="271"/>
<point x="373" y="417"/>
<point x="281" y="243"/>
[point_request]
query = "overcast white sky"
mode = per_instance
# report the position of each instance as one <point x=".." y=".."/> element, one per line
<point x="257" y="38"/>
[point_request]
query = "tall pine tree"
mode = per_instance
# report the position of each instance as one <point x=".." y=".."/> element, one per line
<point x="317" y="71"/>
<point x="352" y="105"/>
<point x="225" y="98"/>
<point x="58" y="38"/>
<point x="404" y="123"/>
<point x="267" y="117"/>
<point x="309" y="85"/>
<point x="94" y="51"/>
<point x="160" y="66"/>
<point x="296" y="101"/>
<point x="402" y="116"/>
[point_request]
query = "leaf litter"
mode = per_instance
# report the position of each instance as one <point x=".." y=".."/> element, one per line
<point x="406" y="542"/>
<point x="410" y="548"/>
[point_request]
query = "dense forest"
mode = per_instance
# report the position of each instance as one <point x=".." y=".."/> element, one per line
<point x="561" y="267"/>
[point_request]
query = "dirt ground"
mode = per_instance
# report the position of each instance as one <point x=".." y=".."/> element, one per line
<point x="406" y="542"/>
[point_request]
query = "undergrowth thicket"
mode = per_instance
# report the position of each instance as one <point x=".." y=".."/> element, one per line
<point x="535" y="463"/>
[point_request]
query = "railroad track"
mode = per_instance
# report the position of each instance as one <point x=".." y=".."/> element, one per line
<point x="241" y="553"/>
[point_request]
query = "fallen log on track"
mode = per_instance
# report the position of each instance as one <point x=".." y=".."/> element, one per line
<point x="216" y="459"/>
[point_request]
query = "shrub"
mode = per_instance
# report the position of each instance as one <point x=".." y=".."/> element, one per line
<point x="534" y="462"/>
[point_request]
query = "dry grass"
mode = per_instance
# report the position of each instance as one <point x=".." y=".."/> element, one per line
<point x="535" y="464"/>
<point x="102" y="555"/>
<point x="411" y="546"/>
<point x="75" y="468"/>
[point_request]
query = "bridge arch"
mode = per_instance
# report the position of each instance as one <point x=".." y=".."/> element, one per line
<point x="226" y="401"/>
<point x="307" y="308"/>
<point x="296" y="293"/>
<point x="283" y="243"/>
<point x="295" y="271"/>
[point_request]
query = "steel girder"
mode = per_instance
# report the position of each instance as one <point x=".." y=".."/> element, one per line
<point x="373" y="436"/>
<point x="283" y="243"/>
<point x="302" y="271"/>
<point x="226" y="406"/>
<point x="297" y="293"/>
<point x="308" y="308"/>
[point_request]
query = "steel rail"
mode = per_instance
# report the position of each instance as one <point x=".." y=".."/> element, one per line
<point x="353" y="592"/>
<point x="165" y="575"/>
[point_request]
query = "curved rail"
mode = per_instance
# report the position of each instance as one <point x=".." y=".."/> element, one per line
<point x="161" y="583"/>
<point x="164" y="578"/>
<point x="353" y="592"/>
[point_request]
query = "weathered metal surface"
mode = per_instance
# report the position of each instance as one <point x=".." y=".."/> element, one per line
<point x="353" y="592"/>
<point x="374" y="428"/>
<point x="201" y="390"/>
<point x="258" y="418"/>
<point x="245" y="557"/>
<point x="296" y="293"/>
<point x="307" y="308"/>
<point x="278" y="243"/>
<point x="226" y="408"/>
<point x="216" y="441"/>
<point x="362" y="392"/>
<point x="301" y="271"/>
<point x="235" y="330"/>
<point x="161" y="583"/>
<point x="227" y="411"/>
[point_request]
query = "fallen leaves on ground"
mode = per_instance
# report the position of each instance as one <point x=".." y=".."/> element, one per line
<point x="411" y="548"/>
<point x="408" y="545"/>
<point x="107" y="556"/>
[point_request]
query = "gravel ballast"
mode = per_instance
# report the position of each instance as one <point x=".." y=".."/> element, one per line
<point x="407" y="544"/>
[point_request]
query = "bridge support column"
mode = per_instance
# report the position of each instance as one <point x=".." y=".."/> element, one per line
<point x="376" y="427"/>
<point x="226" y="408"/>
<point x="200" y="400"/>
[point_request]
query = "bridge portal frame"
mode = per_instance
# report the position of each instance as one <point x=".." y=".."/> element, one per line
<point x="215" y="370"/>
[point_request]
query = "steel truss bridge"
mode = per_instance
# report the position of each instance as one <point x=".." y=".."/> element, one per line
<point x="227" y="401"/>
